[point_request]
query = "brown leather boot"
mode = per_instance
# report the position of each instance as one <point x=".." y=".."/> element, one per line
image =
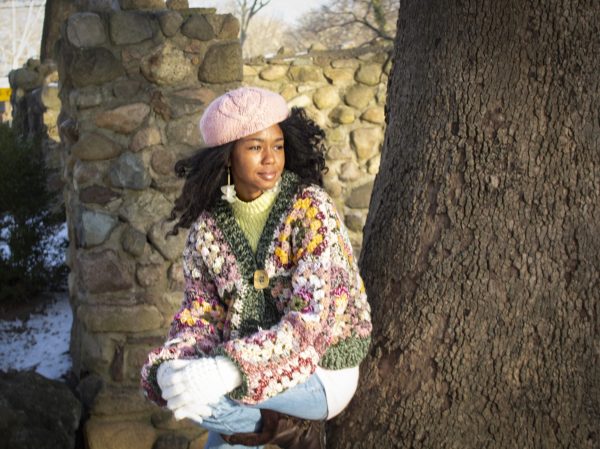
<point x="287" y="432"/>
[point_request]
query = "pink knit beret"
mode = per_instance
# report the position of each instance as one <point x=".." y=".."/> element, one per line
<point x="239" y="113"/>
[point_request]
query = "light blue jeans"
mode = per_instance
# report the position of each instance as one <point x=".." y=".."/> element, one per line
<point x="307" y="401"/>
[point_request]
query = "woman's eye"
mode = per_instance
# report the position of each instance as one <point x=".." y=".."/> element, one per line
<point x="279" y="147"/>
<point x="254" y="148"/>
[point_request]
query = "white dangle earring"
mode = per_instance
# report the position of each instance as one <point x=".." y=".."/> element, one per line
<point x="229" y="189"/>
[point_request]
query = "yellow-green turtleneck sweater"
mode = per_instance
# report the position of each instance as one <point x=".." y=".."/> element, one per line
<point x="251" y="216"/>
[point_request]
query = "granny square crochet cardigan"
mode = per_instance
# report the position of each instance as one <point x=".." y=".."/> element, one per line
<point x="314" y="311"/>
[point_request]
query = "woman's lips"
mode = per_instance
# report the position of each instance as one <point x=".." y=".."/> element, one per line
<point x="268" y="176"/>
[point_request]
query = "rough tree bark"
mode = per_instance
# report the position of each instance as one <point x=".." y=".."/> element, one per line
<point x="56" y="13"/>
<point x="482" y="246"/>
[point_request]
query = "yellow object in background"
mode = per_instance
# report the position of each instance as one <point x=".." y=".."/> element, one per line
<point x="5" y="94"/>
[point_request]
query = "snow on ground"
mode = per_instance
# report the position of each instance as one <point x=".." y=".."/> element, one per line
<point x="41" y="342"/>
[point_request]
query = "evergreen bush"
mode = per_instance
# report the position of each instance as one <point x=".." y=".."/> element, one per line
<point x="31" y="249"/>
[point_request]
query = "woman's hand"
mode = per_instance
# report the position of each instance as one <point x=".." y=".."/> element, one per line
<point x="190" y="386"/>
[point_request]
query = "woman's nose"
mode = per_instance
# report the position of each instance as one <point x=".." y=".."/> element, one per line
<point x="268" y="156"/>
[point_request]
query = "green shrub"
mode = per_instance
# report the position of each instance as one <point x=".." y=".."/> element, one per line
<point x="30" y="251"/>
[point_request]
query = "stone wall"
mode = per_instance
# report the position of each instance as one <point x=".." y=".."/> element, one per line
<point x="133" y="85"/>
<point x="344" y="92"/>
<point x="35" y="107"/>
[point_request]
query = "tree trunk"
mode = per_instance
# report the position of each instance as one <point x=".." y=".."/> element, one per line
<point x="482" y="246"/>
<point x="56" y="13"/>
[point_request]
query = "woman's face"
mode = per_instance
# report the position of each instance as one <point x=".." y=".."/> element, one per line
<point x="257" y="162"/>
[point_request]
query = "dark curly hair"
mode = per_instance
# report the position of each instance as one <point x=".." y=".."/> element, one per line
<point x="206" y="171"/>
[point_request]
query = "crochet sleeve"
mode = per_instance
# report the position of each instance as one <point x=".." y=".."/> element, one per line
<point x="197" y="327"/>
<point x="275" y="359"/>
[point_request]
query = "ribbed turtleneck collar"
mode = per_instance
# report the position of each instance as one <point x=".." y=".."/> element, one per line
<point x="258" y="205"/>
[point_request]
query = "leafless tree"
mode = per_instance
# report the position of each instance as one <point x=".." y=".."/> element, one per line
<point x="278" y="32"/>
<point x="348" y="23"/>
<point x="20" y="31"/>
<point x="247" y="9"/>
<point x="252" y="31"/>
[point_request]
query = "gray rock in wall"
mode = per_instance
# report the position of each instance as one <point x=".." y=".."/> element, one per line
<point x="133" y="241"/>
<point x="359" y="197"/>
<point x="97" y="195"/>
<point x="326" y="97"/>
<point x="343" y="115"/>
<point x="359" y="96"/>
<point x="369" y="74"/>
<point x="85" y="29"/>
<point x="184" y="130"/>
<point x="355" y="222"/>
<point x="273" y="72"/>
<point x="130" y="28"/>
<point x="177" y="4"/>
<point x="104" y="271"/>
<point x="129" y="172"/>
<point x="25" y="79"/>
<point x="349" y="171"/>
<point x="197" y="27"/>
<point x="366" y="142"/>
<point x="375" y="115"/>
<point x="126" y="88"/>
<point x="94" y="66"/>
<point x="94" y="228"/>
<point x="109" y="318"/>
<point x="222" y="63"/>
<point x="162" y="161"/>
<point x="225" y="26"/>
<point x="339" y="76"/>
<point x="152" y="5"/>
<point x="168" y="65"/>
<point x="305" y="74"/>
<point x="123" y="119"/>
<point x="144" y="209"/>
<point x="94" y="147"/>
<point x="87" y="173"/>
<point x="170" y="247"/>
<point x="144" y="138"/>
<point x="169" y="22"/>
<point x="86" y="97"/>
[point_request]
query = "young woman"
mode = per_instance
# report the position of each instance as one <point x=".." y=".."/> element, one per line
<point x="275" y="319"/>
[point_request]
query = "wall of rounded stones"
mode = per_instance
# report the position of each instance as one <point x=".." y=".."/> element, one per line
<point x="133" y="85"/>
<point x="344" y="92"/>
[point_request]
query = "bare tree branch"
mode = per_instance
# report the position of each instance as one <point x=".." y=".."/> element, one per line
<point x="342" y="23"/>
<point x="247" y="12"/>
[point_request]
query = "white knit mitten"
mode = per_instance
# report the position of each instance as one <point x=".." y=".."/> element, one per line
<point x="195" y="382"/>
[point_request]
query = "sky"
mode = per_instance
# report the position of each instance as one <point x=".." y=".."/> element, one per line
<point x="288" y="10"/>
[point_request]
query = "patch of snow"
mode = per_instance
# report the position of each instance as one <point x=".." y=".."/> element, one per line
<point x="41" y="343"/>
<point x="55" y="253"/>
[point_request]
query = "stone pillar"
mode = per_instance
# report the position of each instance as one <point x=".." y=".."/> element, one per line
<point x="33" y="93"/>
<point x="35" y="107"/>
<point x="133" y="85"/>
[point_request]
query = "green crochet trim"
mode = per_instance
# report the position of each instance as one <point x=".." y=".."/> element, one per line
<point x="256" y="310"/>
<point x="345" y="354"/>
<point x="289" y="187"/>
